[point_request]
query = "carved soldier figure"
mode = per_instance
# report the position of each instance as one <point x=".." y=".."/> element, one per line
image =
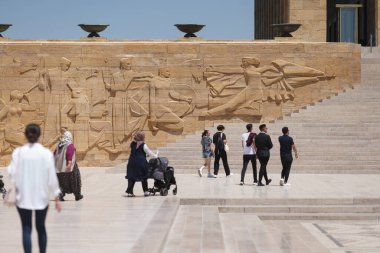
<point x="55" y="88"/>
<point x="167" y="105"/>
<point x="13" y="128"/>
<point x="87" y="133"/>
<point x="129" y="109"/>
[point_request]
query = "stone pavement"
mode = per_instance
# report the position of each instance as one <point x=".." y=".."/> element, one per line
<point x="317" y="214"/>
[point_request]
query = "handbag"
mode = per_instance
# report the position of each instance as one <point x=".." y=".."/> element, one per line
<point x="10" y="196"/>
<point x="226" y="147"/>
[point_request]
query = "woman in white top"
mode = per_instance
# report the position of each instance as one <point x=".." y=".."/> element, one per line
<point x="137" y="168"/>
<point x="32" y="171"/>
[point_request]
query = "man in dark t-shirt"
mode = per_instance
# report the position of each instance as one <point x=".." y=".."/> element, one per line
<point x="219" y="139"/>
<point x="286" y="147"/>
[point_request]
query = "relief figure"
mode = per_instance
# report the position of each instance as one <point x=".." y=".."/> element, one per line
<point x="129" y="109"/>
<point x="10" y="117"/>
<point x="168" y="105"/>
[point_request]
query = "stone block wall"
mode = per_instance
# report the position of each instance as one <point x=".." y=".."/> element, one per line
<point x="312" y="15"/>
<point x="104" y="91"/>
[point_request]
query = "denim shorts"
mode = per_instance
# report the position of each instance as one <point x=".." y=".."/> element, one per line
<point x="206" y="154"/>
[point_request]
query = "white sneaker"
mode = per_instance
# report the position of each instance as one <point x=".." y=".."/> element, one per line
<point x="211" y="175"/>
<point x="200" y="171"/>
<point x="146" y="194"/>
<point x="241" y="183"/>
<point x="231" y="174"/>
<point x="287" y="184"/>
<point x="282" y="182"/>
<point x="254" y="183"/>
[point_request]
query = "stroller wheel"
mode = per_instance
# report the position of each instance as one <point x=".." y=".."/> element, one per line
<point x="164" y="192"/>
<point x="175" y="191"/>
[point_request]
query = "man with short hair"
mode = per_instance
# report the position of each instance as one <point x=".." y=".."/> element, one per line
<point x="286" y="147"/>
<point x="220" y="140"/>
<point x="263" y="144"/>
<point x="249" y="153"/>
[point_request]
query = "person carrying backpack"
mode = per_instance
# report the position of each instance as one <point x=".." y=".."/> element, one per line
<point x="220" y="140"/>
<point x="249" y="153"/>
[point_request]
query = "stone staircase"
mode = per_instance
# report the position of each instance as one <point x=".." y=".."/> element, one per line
<point x="338" y="135"/>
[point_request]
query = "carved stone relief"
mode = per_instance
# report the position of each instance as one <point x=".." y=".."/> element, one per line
<point x="104" y="106"/>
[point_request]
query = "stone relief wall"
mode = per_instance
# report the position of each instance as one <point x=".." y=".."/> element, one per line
<point x="104" y="92"/>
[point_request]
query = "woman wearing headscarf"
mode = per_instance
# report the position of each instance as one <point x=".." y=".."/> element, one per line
<point x="67" y="169"/>
<point x="137" y="169"/>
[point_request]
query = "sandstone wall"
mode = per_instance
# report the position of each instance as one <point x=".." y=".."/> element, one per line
<point x="312" y="15"/>
<point x="104" y="91"/>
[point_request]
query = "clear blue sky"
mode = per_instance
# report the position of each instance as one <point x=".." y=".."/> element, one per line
<point x="129" y="19"/>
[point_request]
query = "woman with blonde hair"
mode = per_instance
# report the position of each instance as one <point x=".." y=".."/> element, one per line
<point x="137" y="168"/>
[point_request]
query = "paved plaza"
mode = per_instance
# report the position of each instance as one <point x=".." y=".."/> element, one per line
<point x="317" y="213"/>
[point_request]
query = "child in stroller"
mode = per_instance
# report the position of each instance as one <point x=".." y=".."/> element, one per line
<point x="163" y="176"/>
<point x="3" y="191"/>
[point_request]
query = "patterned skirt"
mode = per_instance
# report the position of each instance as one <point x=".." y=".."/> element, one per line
<point x="70" y="182"/>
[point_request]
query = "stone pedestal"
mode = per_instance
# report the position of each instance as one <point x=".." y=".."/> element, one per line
<point x="190" y="39"/>
<point x="93" y="39"/>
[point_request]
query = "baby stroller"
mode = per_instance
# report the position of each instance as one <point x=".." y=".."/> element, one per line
<point x="163" y="176"/>
<point x="3" y="191"/>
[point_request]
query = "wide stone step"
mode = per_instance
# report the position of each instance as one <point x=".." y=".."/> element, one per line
<point x="221" y="202"/>
<point x="314" y="158"/>
<point x="332" y="126"/>
<point x="317" y="169"/>
<point x="275" y="170"/>
<point x="317" y="147"/>
<point x="276" y="161"/>
<point x="321" y="216"/>
<point x="299" y="139"/>
<point x="348" y="117"/>
<point x="268" y="209"/>
<point x="304" y="155"/>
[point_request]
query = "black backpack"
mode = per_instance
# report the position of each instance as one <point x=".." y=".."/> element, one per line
<point x="249" y="141"/>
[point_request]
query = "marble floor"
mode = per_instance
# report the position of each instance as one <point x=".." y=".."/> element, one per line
<point x="316" y="214"/>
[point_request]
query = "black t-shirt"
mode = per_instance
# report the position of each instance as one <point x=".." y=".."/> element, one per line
<point x="218" y="140"/>
<point x="286" y="143"/>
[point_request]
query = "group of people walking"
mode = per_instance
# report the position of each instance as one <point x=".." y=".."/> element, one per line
<point x="255" y="147"/>
<point x="35" y="173"/>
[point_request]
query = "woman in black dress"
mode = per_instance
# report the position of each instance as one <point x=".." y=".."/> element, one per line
<point x="137" y="168"/>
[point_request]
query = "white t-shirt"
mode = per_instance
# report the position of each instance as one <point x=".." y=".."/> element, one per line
<point x="247" y="150"/>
